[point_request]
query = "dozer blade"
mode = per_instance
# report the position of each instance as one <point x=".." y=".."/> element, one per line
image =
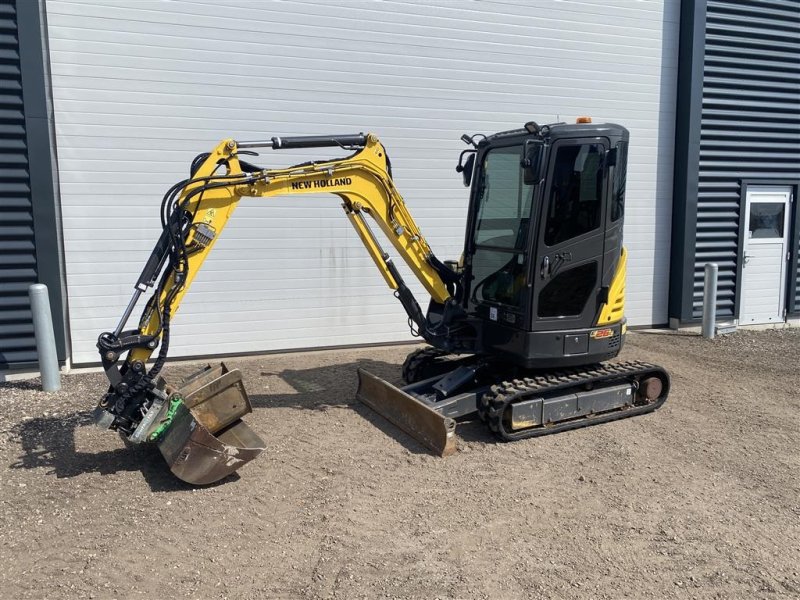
<point x="206" y="440"/>
<point x="420" y="421"/>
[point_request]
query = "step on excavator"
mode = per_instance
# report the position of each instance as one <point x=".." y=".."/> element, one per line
<point x="520" y="330"/>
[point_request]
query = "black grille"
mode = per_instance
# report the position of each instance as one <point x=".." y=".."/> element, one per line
<point x="613" y="341"/>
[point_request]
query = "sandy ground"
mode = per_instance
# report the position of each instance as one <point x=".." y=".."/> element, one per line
<point x="699" y="500"/>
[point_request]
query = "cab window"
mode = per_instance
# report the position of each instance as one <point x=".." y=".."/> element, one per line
<point x="575" y="202"/>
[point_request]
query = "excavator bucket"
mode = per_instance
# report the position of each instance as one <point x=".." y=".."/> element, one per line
<point x="206" y="440"/>
<point x="416" y="418"/>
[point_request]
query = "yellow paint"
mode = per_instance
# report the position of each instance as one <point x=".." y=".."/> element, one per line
<point x="614" y="309"/>
<point x="362" y="181"/>
<point x="374" y="250"/>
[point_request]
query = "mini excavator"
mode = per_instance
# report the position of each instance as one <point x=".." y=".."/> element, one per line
<point x="520" y="330"/>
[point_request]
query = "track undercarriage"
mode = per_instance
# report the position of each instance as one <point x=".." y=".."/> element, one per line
<point x="515" y="403"/>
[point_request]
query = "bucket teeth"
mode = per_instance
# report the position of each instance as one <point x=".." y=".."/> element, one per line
<point x="421" y="422"/>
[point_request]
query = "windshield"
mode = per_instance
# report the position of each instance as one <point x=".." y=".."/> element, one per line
<point x="501" y="228"/>
<point x="504" y="202"/>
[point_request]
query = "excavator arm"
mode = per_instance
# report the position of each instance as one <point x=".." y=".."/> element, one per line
<point x="362" y="181"/>
<point x="194" y="212"/>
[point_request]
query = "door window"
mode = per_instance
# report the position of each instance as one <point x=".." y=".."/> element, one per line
<point x="499" y="276"/>
<point x="567" y="293"/>
<point x="575" y="202"/>
<point x="766" y="220"/>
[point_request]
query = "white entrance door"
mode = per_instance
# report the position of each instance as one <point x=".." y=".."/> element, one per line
<point x="765" y="254"/>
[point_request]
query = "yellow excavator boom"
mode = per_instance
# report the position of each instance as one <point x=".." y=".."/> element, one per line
<point x="363" y="183"/>
<point x="197" y="425"/>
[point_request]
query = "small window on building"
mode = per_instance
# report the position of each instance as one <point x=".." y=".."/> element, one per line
<point x="576" y="193"/>
<point x="766" y="220"/>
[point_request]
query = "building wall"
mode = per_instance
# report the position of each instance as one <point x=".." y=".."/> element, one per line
<point x="17" y="247"/>
<point x="140" y="88"/>
<point x="740" y="123"/>
<point x="29" y="233"/>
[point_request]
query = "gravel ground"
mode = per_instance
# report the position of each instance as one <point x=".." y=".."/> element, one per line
<point x="698" y="500"/>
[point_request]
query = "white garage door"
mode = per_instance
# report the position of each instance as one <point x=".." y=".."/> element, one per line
<point x="141" y="87"/>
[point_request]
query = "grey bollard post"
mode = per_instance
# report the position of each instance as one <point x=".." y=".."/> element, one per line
<point x="710" y="300"/>
<point x="45" y="338"/>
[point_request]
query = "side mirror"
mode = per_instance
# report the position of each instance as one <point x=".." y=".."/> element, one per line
<point x="531" y="162"/>
<point x="466" y="167"/>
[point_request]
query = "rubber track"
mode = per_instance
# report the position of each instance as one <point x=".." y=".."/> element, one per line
<point x="493" y="403"/>
<point x="415" y="363"/>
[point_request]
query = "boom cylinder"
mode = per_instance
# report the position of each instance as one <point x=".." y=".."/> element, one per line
<point x="357" y="140"/>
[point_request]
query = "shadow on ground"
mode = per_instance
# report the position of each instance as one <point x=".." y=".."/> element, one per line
<point x="49" y="442"/>
<point x="331" y="386"/>
<point x="321" y="388"/>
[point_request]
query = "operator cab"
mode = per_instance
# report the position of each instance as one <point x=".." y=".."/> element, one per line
<point x="544" y="242"/>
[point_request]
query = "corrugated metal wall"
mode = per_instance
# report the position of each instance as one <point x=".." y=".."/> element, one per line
<point x="750" y="126"/>
<point x="796" y="298"/>
<point x="140" y="88"/>
<point x="17" y="249"/>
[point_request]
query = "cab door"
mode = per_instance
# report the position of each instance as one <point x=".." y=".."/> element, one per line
<point x="570" y="244"/>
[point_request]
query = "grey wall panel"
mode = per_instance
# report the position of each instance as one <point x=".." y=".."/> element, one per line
<point x="140" y="88"/>
<point x="796" y="299"/>
<point x="750" y="126"/>
<point x="17" y="247"/>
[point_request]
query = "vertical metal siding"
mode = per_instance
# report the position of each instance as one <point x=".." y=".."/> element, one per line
<point x="140" y="87"/>
<point x="17" y="249"/>
<point x="750" y="126"/>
